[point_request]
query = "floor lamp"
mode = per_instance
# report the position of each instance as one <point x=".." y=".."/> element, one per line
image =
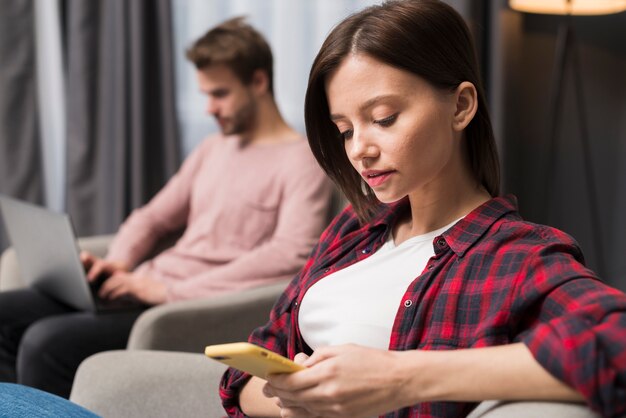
<point x="566" y="50"/>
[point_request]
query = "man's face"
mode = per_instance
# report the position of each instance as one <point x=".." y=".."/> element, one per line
<point x="232" y="103"/>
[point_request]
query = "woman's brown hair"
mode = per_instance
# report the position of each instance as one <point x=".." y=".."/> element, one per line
<point x="425" y="37"/>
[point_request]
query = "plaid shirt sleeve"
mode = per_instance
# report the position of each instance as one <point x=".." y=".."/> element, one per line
<point x="576" y="325"/>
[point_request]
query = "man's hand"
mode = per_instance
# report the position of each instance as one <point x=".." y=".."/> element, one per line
<point x="96" y="266"/>
<point x="341" y="381"/>
<point x="143" y="288"/>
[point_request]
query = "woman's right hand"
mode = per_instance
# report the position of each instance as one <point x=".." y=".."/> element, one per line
<point x="342" y="381"/>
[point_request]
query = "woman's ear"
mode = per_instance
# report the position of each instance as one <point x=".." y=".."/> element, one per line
<point x="466" y="98"/>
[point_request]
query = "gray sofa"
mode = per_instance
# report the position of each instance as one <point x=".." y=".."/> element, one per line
<point x="142" y="383"/>
<point x="145" y="381"/>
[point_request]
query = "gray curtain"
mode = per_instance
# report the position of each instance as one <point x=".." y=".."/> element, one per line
<point x="20" y="162"/>
<point x="122" y="129"/>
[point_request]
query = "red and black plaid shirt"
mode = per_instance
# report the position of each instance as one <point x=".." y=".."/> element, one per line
<point x="494" y="279"/>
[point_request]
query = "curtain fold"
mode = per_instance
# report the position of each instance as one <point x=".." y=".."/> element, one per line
<point x="122" y="128"/>
<point x="20" y="153"/>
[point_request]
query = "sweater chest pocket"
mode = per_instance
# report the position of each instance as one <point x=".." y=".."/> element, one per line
<point x="252" y="221"/>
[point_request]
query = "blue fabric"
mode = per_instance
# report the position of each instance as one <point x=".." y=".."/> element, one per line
<point x="23" y="401"/>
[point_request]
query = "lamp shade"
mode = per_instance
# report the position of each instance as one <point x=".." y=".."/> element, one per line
<point x="574" y="7"/>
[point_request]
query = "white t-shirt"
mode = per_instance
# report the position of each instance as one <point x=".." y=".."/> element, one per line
<point x="359" y="303"/>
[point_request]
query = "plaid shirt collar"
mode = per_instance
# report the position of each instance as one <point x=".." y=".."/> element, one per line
<point x="464" y="233"/>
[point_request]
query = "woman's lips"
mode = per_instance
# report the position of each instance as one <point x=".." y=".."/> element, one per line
<point x="376" y="178"/>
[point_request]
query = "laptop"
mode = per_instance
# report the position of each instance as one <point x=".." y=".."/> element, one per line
<point x="49" y="259"/>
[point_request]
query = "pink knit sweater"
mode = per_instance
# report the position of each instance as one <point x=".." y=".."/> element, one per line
<point x="251" y="215"/>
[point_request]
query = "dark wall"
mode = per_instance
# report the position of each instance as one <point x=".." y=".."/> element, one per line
<point x="526" y="62"/>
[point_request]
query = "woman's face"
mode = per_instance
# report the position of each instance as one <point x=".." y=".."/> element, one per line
<point x="397" y="129"/>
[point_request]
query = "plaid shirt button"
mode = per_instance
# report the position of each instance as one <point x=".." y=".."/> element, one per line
<point x="408" y="303"/>
<point x="441" y="243"/>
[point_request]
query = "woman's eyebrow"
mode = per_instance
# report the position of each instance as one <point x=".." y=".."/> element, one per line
<point x="366" y="105"/>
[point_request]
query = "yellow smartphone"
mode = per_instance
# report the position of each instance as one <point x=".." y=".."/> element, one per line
<point x="252" y="359"/>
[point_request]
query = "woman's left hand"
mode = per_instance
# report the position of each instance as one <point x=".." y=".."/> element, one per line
<point x="341" y="381"/>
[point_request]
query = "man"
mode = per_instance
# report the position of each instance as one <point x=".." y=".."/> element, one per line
<point x="251" y="201"/>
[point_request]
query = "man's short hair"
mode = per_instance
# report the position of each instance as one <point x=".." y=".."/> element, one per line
<point x="237" y="45"/>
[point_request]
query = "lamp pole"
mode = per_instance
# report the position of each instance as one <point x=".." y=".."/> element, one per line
<point x="566" y="46"/>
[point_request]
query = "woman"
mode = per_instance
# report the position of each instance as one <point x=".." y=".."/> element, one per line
<point x="429" y="293"/>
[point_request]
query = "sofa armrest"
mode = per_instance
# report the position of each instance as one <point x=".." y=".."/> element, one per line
<point x="531" y="409"/>
<point x="191" y="325"/>
<point x="149" y="384"/>
<point x="164" y="384"/>
<point x="9" y="269"/>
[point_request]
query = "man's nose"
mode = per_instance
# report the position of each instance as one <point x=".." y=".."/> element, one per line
<point x="212" y="107"/>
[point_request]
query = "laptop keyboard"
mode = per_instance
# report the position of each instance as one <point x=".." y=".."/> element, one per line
<point x="124" y="302"/>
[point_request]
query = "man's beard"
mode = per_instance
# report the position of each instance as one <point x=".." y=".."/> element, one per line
<point x="242" y="121"/>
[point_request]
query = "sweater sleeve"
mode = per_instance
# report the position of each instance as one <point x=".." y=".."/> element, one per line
<point x="302" y="216"/>
<point x="167" y="212"/>
<point x="577" y="326"/>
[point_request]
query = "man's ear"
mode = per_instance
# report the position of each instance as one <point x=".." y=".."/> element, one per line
<point x="466" y="98"/>
<point x="260" y="81"/>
